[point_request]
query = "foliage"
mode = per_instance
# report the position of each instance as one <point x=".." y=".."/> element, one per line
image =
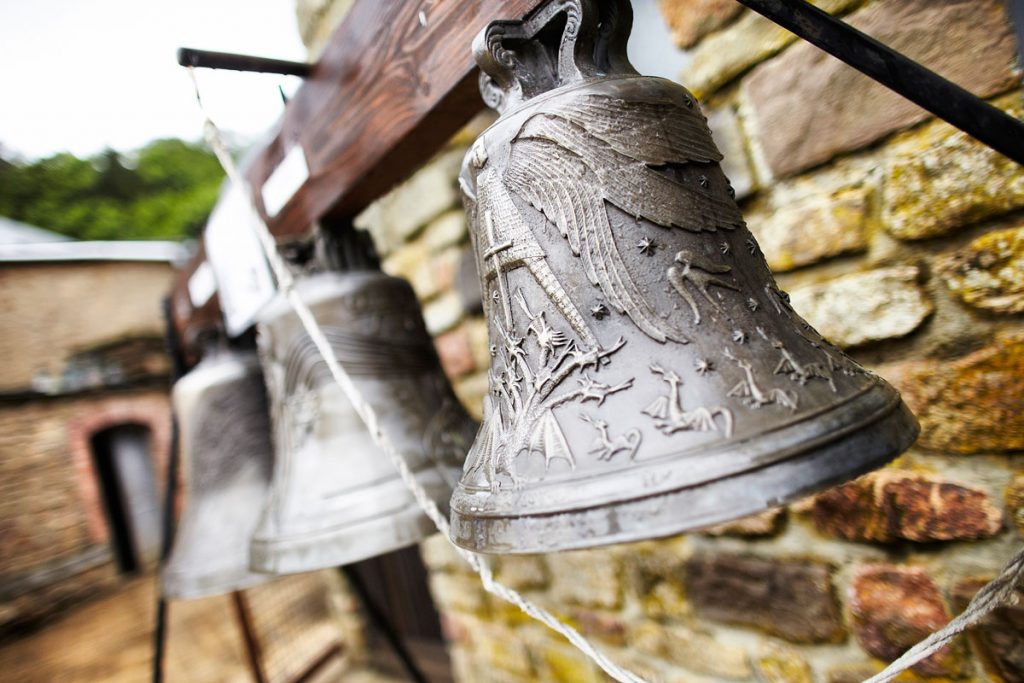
<point x="164" y="190"/>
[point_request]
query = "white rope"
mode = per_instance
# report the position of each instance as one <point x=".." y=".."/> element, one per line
<point x="286" y="283"/>
<point x="998" y="592"/>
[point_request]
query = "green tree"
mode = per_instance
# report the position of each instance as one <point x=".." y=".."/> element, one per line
<point x="164" y="190"/>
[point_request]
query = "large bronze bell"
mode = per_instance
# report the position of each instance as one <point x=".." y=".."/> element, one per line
<point x="336" y="498"/>
<point x="221" y="409"/>
<point x="648" y="375"/>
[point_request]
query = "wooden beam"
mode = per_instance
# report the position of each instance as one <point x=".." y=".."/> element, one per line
<point x="395" y="82"/>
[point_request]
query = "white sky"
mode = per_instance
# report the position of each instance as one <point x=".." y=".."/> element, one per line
<point x="82" y="75"/>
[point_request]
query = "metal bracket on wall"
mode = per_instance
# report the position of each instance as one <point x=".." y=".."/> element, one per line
<point x="899" y="73"/>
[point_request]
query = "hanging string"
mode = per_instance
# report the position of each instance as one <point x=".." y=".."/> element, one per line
<point x="1001" y="591"/>
<point x="286" y="284"/>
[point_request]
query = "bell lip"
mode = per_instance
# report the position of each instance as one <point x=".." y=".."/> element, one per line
<point x="703" y="463"/>
<point x="339" y="546"/>
<point x="851" y="452"/>
<point x="181" y="585"/>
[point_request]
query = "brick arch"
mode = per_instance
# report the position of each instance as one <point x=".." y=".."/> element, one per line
<point x="148" y="410"/>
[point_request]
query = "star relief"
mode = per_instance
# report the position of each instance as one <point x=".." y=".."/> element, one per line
<point x="704" y="366"/>
<point x="599" y="311"/>
<point x="647" y="246"/>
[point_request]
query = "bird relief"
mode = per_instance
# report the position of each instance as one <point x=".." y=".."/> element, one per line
<point x="670" y="417"/>
<point x="520" y="415"/>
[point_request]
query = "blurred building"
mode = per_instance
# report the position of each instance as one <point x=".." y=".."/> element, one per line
<point x="84" y="416"/>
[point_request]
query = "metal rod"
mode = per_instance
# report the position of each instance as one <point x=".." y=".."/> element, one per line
<point x="380" y="620"/>
<point x="253" y="652"/>
<point x="208" y="59"/>
<point x="896" y="71"/>
<point x="170" y="492"/>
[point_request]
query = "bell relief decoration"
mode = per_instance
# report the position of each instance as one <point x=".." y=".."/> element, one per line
<point x="647" y="374"/>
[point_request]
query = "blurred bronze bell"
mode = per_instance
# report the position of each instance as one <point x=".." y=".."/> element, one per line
<point x="648" y="376"/>
<point x="221" y="408"/>
<point x="336" y="498"/>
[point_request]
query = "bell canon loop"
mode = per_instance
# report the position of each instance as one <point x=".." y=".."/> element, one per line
<point x="337" y="498"/>
<point x="648" y="376"/>
<point x="221" y="409"/>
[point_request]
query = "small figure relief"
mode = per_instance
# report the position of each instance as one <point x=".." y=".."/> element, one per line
<point x="606" y="447"/>
<point x="752" y="395"/>
<point x="699" y="272"/>
<point x="801" y="373"/>
<point x="522" y="417"/>
<point x="670" y="417"/>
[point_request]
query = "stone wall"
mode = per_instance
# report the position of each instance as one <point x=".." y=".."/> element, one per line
<point x="899" y="238"/>
<point x="83" y="351"/>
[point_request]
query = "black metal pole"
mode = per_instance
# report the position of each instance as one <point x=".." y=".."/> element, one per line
<point x="924" y="87"/>
<point x="208" y="59"/>
<point x="380" y="620"/>
<point x="171" y="485"/>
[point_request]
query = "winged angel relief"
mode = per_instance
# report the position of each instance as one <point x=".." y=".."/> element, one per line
<point x="649" y="158"/>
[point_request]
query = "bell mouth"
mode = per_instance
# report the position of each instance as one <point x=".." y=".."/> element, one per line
<point x="784" y="465"/>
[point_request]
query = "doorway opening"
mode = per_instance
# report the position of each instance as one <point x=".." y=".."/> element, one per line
<point x="124" y="467"/>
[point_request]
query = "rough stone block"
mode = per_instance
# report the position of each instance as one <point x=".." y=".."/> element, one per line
<point x="655" y="580"/>
<point x="447" y="230"/>
<point x="503" y="650"/>
<point x="792" y="599"/>
<point x="479" y="342"/>
<point x="890" y="505"/>
<point x="1015" y="501"/>
<point x="728" y="137"/>
<point x="586" y="577"/>
<point x="970" y="404"/>
<point x="808" y="107"/>
<point x="454" y="351"/>
<point x="989" y="272"/>
<point x="407" y="263"/>
<point x="443" y="313"/>
<point x="562" y="662"/>
<point x="765" y="523"/>
<point x="401" y="213"/>
<point x="523" y="572"/>
<point x="777" y="664"/>
<point x="856" y="309"/>
<point x="608" y="627"/>
<point x="704" y="654"/>
<point x="752" y="39"/>
<point x="999" y="638"/>
<point x="691" y="20"/>
<point x="938" y="179"/>
<point x="809" y="230"/>
<point x="894" y="607"/>
<point x="459" y="592"/>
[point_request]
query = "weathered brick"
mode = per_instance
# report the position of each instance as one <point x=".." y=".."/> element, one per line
<point x="455" y="353"/>
<point x="970" y="404"/>
<point x="585" y="577"/>
<point x="765" y="523"/>
<point x="890" y="505"/>
<point x="691" y="20"/>
<point x="989" y="272"/>
<point x="938" y="179"/>
<point x="1015" y="501"/>
<point x="894" y="607"/>
<point x="856" y="309"/>
<point x="792" y="599"/>
<point x="752" y="39"/>
<point x="728" y="137"/>
<point x="808" y="107"/>
<point x="999" y="638"/>
<point x="777" y="664"/>
<point x="798" y="233"/>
